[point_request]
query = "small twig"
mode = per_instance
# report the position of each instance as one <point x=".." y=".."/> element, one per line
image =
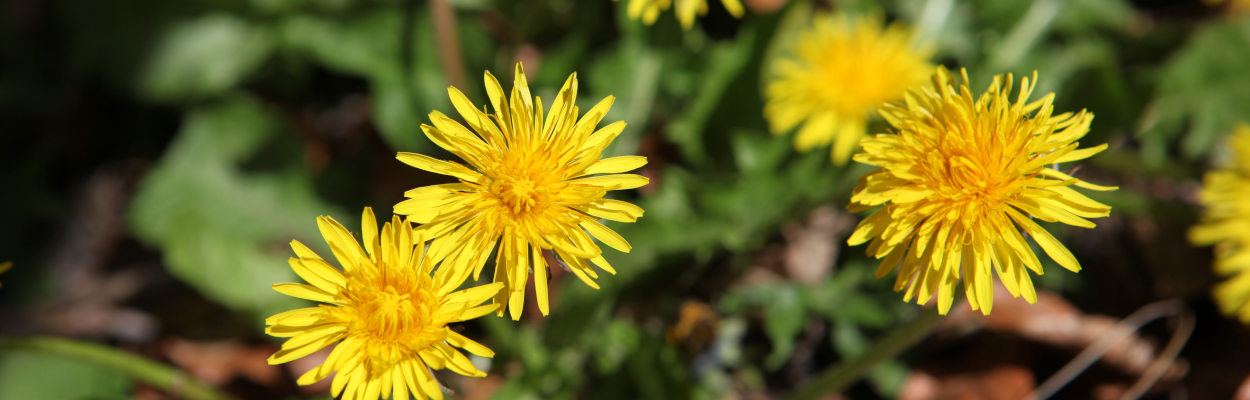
<point x="448" y="39"/>
<point x="1167" y="357"/>
<point x="838" y="378"/>
<point x="1114" y="335"/>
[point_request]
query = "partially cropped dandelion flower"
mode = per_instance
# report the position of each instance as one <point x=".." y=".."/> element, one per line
<point x="836" y="75"/>
<point x="387" y="310"/>
<point x="531" y="184"/>
<point x="1234" y="7"/>
<point x="959" y="179"/>
<point x="649" y="10"/>
<point x="5" y="267"/>
<point x="1226" y="224"/>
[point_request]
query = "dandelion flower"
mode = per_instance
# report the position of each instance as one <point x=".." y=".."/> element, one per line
<point x="836" y="74"/>
<point x="960" y="179"/>
<point x="531" y="184"/>
<point x="649" y="10"/>
<point x="387" y="310"/>
<point x="5" y="267"/>
<point x="1226" y="224"/>
<point x="1234" y="7"/>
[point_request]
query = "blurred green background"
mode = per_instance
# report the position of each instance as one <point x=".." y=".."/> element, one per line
<point x="157" y="156"/>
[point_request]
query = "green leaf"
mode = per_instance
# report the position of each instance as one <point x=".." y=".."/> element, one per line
<point x="783" y="319"/>
<point x="205" y="57"/>
<point x="221" y="230"/>
<point x="40" y="376"/>
<point x="614" y="343"/>
<point x="1084" y="16"/>
<point x="1204" y="84"/>
<point x="631" y="72"/>
<point x="888" y="377"/>
<point x="849" y="340"/>
<point x="725" y="60"/>
<point x="369" y="45"/>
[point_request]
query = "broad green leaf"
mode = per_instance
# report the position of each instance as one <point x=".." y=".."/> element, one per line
<point x="631" y="72"/>
<point x="221" y="230"/>
<point x="724" y="61"/>
<point x="1205" y="85"/>
<point x="370" y="45"/>
<point x="40" y="376"/>
<point x="204" y="57"/>
<point x="784" y="318"/>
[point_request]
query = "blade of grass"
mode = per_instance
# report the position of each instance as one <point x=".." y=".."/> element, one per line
<point x="158" y="375"/>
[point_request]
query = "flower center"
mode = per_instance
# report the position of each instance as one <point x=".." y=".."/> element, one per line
<point x="392" y="315"/>
<point x="524" y="190"/>
<point x="859" y="78"/>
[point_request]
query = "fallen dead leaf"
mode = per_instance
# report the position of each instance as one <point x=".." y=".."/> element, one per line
<point x="813" y="246"/>
<point x="1003" y="382"/>
<point x="217" y="363"/>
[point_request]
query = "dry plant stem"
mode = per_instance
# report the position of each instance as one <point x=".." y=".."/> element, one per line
<point x="144" y="370"/>
<point x="448" y="42"/>
<point x="901" y="338"/>
<point x="1126" y="327"/>
<point x="1184" y="328"/>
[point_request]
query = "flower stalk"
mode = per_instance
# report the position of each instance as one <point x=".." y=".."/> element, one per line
<point x="840" y="377"/>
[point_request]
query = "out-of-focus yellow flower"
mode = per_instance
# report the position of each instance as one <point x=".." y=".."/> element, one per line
<point x="1226" y="224"/>
<point x="1235" y="7"/>
<point x="535" y="184"/>
<point x="5" y="267"/>
<point x="649" y="10"/>
<point x="959" y="179"/>
<point x="387" y="310"/>
<point x="836" y="74"/>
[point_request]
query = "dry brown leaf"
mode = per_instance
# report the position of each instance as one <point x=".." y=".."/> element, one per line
<point x="695" y="328"/>
<point x="1003" y="382"/>
<point x="217" y="363"/>
<point x="1056" y="322"/>
<point x="812" y="247"/>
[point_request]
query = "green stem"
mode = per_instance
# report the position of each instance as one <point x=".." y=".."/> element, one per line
<point x="147" y="371"/>
<point x="840" y="377"/>
<point x="1025" y="34"/>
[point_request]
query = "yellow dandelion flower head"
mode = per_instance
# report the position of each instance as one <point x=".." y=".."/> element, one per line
<point x="959" y="179"/>
<point x="1235" y="7"/>
<point x="836" y="73"/>
<point x="386" y="310"/>
<point x="4" y="266"/>
<point x="649" y="10"/>
<point x="1226" y="196"/>
<point x="535" y="183"/>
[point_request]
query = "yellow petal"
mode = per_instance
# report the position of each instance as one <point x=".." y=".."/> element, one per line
<point x="303" y="291"/>
<point x="614" y="182"/>
<point x="455" y="339"/>
<point x="437" y="166"/>
<point x="606" y="235"/>
<point x="616" y="165"/>
<point x="1053" y="248"/>
<point x="1082" y="154"/>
